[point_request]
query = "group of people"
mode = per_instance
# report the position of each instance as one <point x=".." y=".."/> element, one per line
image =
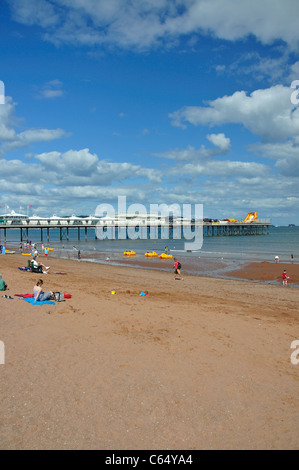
<point x="276" y="259"/>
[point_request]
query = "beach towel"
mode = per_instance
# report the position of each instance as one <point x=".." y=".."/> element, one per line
<point x="30" y="296"/>
<point x="44" y="302"/>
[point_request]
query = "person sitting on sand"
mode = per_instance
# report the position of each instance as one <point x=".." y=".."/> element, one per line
<point x="39" y="295"/>
<point x="3" y="285"/>
<point x="37" y="265"/>
<point x="177" y="267"/>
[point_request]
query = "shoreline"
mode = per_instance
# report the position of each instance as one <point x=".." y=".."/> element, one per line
<point x="265" y="272"/>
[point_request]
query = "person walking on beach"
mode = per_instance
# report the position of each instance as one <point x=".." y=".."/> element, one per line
<point x="177" y="266"/>
<point x="79" y="255"/>
<point x="276" y="259"/>
<point x="285" y="278"/>
<point x="292" y="258"/>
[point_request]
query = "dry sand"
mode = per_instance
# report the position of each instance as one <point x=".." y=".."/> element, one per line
<point x="196" y="364"/>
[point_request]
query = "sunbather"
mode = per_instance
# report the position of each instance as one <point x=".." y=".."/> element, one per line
<point x="38" y="293"/>
<point x="37" y="265"/>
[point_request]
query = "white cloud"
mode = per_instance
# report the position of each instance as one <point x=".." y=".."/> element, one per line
<point x="221" y="141"/>
<point x="267" y="113"/>
<point x="190" y="154"/>
<point x="285" y="155"/>
<point x="80" y="167"/>
<point x="143" y="24"/>
<point x="227" y="170"/>
<point x="51" y="89"/>
<point x="10" y="139"/>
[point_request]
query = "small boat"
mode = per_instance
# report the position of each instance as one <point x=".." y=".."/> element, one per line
<point x="165" y="256"/>
<point x="129" y="253"/>
<point x="27" y="254"/>
<point x="8" y="252"/>
<point x="151" y="254"/>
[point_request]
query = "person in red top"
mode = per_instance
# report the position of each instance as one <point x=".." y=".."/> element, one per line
<point x="285" y="278"/>
<point x="177" y="267"/>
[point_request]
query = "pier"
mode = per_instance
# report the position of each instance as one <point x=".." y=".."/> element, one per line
<point x="102" y="230"/>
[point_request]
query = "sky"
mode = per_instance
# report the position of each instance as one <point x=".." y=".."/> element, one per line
<point x="160" y="101"/>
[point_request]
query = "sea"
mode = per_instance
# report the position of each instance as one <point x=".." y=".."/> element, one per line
<point x="217" y="255"/>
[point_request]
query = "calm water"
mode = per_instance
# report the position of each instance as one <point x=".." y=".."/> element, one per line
<point x="281" y="241"/>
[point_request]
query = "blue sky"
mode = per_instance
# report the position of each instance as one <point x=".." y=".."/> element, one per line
<point x="161" y="101"/>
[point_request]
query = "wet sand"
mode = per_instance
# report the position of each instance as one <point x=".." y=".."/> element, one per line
<point x="196" y="364"/>
<point x="268" y="272"/>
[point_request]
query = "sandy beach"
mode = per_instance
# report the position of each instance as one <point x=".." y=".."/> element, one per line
<point x="196" y="364"/>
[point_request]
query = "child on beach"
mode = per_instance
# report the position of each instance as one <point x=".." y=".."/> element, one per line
<point x="177" y="267"/>
<point x="79" y="255"/>
<point x="285" y="278"/>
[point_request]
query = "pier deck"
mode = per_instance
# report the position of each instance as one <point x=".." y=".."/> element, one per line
<point x="172" y="231"/>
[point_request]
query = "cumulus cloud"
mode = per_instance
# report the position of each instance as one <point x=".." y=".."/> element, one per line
<point x="10" y="139"/>
<point x="220" y="141"/>
<point x="143" y="24"/>
<point x="80" y="167"/>
<point x="267" y="113"/>
<point x="284" y="154"/>
<point x="190" y="154"/>
<point x="70" y="178"/>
